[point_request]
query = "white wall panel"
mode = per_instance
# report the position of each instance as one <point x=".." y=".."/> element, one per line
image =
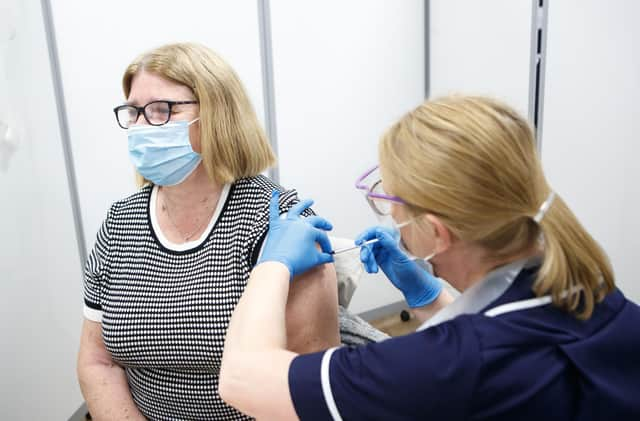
<point x="344" y="71"/>
<point x="41" y="287"/>
<point x="590" y="141"/>
<point x="482" y="48"/>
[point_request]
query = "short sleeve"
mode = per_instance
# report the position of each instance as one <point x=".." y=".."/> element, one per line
<point x="425" y="375"/>
<point x="288" y="198"/>
<point x="94" y="273"/>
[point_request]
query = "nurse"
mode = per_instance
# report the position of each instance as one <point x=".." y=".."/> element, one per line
<point x="539" y="332"/>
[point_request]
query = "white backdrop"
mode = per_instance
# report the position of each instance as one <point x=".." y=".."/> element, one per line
<point x="41" y="289"/>
<point x="482" y="48"/>
<point x="590" y="141"/>
<point x="344" y="71"/>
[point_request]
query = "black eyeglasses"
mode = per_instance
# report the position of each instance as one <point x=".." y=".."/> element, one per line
<point x="156" y="113"/>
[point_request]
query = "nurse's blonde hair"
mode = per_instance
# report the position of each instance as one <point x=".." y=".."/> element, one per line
<point x="472" y="162"/>
<point x="233" y="144"/>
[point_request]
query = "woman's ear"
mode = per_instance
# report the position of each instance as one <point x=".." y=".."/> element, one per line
<point x="442" y="235"/>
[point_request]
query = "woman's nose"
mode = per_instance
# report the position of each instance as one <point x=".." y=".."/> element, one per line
<point x="140" y="120"/>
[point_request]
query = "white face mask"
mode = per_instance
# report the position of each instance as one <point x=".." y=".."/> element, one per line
<point x="389" y="222"/>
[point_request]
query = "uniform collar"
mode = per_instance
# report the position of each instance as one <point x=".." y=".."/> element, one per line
<point x="483" y="293"/>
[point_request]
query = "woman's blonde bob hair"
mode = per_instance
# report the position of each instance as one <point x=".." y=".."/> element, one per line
<point x="473" y="163"/>
<point x="233" y="144"/>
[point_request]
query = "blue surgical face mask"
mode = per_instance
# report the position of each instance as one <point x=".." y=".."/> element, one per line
<point x="163" y="154"/>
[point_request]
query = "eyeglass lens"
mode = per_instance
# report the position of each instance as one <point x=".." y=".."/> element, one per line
<point x="156" y="113"/>
<point x="382" y="206"/>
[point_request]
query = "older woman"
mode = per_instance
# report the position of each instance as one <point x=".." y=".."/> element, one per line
<point x="539" y="332"/>
<point x="171" y="261"/>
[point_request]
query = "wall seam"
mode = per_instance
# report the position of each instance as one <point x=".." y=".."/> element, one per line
<point x="63" y="123"/>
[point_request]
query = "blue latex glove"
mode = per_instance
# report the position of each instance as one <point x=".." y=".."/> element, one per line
<point x="292" y="240"/>
<point x="418" y="286"/>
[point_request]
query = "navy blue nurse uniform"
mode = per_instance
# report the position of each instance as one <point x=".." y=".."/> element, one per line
<point x="517" y="357"/>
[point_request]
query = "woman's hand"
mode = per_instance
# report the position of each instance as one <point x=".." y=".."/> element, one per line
<point x="418" y="286"/>
<point x="291" y="240"/>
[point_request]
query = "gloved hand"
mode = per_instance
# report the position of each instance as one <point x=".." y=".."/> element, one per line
<point x="418" y="286"/>
<point x="292" y="240"/>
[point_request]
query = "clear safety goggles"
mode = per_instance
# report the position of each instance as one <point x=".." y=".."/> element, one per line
<point x="370" y="184"/>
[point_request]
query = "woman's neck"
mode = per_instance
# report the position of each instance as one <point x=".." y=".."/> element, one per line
<point x="185" y="210"/>
<point x="195" y="189"/>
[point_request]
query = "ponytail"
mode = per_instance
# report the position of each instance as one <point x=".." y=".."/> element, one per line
<point x="575" y="271"/>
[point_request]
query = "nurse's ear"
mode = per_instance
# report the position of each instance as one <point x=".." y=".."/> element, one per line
<point x="443" y="237"/>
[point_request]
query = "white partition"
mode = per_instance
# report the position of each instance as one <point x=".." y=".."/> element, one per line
<point x="590" y="141"/>
<point x="344" y="71"/>
<point x="41" y="287"/>
<point x="96" y="42"/>
<point x="481" y="47"/>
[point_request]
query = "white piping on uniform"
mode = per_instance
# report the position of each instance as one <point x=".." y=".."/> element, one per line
<point x="529" y="303"/>
<point x="326" y="385"/>
<point x="518" y="305"/>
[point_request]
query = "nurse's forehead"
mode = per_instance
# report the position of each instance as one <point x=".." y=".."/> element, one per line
<point x="147" y="87"/>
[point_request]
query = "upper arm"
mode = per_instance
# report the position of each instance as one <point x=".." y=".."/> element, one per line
<point x="91" y="343"/>
<point x="95" y="273"/>
<point x="312" y="311"/>
<point x="92" y="348"/>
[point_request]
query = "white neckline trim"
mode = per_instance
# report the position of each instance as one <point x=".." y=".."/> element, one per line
<point x="325" y="380"/>
<point x="190" y="244"/>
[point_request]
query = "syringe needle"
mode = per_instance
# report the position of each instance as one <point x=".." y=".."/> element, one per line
<point x="353" y="247"/>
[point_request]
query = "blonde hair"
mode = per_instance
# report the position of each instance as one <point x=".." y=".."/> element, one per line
<point x="472" y="162"/>
<point x="233" y="144"/>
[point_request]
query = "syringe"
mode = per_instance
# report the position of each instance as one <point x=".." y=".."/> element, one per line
<point x="353" y="247"/>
